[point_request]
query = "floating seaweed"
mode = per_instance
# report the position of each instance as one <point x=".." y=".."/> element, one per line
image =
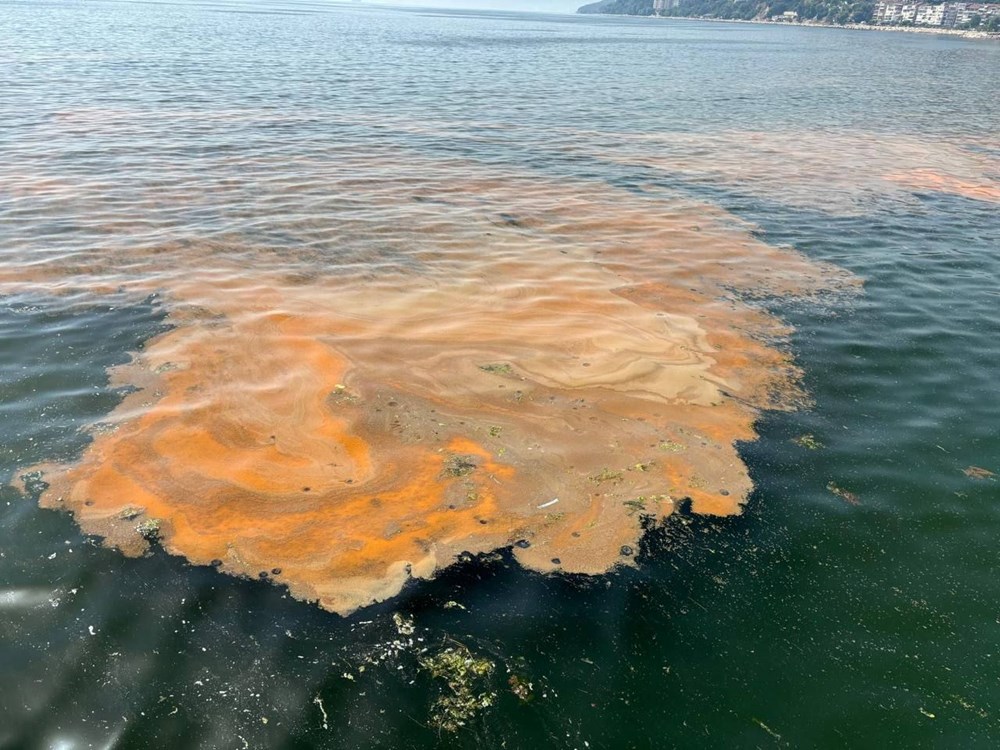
<point x="149" y="529"/>
<point x="498" y="368"/>
<point x="807" y="441"/>
<point x="672" y="447"/>
<point x="843" y="494"/>
<point x="521" y="687"/>
<point x="459" y="466"/>
<point x="404" y="625"/>
<point x="607" y="475"/>
<point x="464" y="676"/>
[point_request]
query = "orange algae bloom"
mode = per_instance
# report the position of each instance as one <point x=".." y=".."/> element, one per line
<point x="543" y="364"/>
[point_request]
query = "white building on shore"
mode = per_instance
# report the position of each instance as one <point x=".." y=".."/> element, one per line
<point x="661" y="5"/>
<point x="930" y="15"/>
<point x="945" y="15"/>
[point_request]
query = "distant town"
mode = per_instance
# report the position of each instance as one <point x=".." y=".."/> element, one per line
<point x="945" y="15"/>
<point x="968" y="19"/>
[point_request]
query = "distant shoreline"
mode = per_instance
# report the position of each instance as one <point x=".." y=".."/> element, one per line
<point x="961" y="33"/>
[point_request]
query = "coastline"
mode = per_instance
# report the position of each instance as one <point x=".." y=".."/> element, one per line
<point x="961" y="33"/>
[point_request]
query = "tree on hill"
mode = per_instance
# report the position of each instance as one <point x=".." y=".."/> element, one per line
<point x="830" y="11"/>
<point x="620" y="7"/>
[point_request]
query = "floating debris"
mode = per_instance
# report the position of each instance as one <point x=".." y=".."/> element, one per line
<point x="149" y="529"/>
<point x="459" y="466"/>
<point x="978" y="472"/>
<point x="766" y="728"/>
<point x="404" y="625"/>
<point x="843" y="494"/>
<point x="464" y="675"/>
<point x="319" y="702"/>
<point x="497" y="368"/>
<point x="671" y="447"/>
<point x="807" y="441"/>
<point x="636" y="505"/>
<point x="33" y="482"/>
<point x="520" y="687"/>
<point x="342" y="397"/>
<point x="607" y="475"/>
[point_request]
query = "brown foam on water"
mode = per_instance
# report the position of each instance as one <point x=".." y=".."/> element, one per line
<point x="476" y="359"/>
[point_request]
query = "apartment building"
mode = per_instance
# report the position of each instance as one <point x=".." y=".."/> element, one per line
<point x="930" y="15"/>
<point x="946" y="15"/>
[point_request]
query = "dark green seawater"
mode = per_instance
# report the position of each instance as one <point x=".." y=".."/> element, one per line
<point x="808" y="621"/>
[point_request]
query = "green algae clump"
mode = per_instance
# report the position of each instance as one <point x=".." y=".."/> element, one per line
<point x="464" y="675"/>
<point x="149" y="529"/>
<point x="807" y="441"/>
<point x="459" y="466"/>
<point x="498" y="368"/>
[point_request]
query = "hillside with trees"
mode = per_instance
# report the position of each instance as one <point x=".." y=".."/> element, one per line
<point x="828" y="11"/>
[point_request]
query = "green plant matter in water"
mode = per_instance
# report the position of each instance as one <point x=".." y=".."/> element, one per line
<point x="636" y="505"/>
<point x="404" y="625"/>
<point x="606" y="475"/>
<point x="843" y="494"/>
<point x="149" y="529"/>
<point x="520" y="687"/>
<point x="459" y="466"/>
<point x="807" y="441"/>
<point x="465" y="677"/>
<point x="671" y="447"/>
<point x="497" y="368"/>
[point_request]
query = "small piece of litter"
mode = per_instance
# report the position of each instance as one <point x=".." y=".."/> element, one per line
<point x="973" y="472"/>
<point x="319" y="702"/>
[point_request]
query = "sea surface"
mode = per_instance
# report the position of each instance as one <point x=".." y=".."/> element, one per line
<point x="155" y="153"/>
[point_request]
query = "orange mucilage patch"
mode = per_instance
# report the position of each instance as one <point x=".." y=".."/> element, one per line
<point x="469" y="361"/>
